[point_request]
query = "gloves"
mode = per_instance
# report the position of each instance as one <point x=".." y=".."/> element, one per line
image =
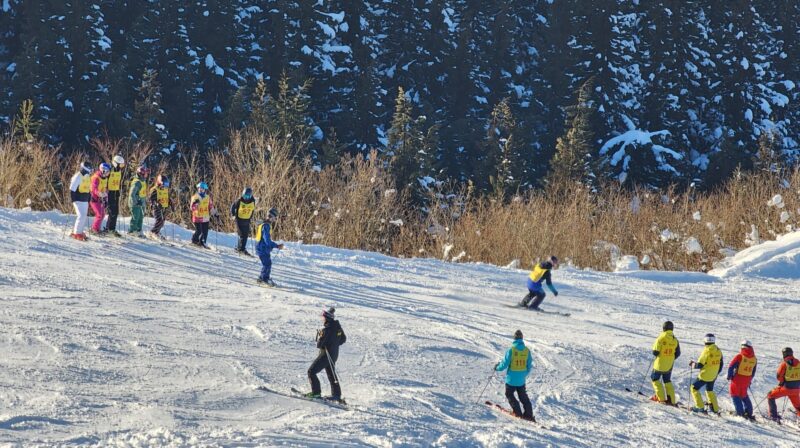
<point x="555" y="293"/>
<point x="692" y="364"/>
<point x="280" y="246"/>
<point x="496" y="366"/>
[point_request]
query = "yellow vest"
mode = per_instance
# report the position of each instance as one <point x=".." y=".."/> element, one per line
<point x="102" y="186"/>
<point x="537" y="273"/>
<point x="114" y="180"/>
<point x="162" y="195"/>
<point x="710" y="359"/>
<point x="86" y="184"/>
<point x="792" y="373"/>
<point x="665" y="345"/>
<point x="746" y="366"/>
<point x="258" y="231"/>
<point x="202" y="210"/>
<point x="519" y="359"/>
<point x="246" y="210"/>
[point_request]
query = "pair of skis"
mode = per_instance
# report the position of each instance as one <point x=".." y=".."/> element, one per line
<point x="507" y="411"/>
<point x="297" y="394"/>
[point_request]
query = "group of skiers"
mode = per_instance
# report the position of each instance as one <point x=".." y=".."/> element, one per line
<point x="101" y="189"/>
<point x="741" y="370"/>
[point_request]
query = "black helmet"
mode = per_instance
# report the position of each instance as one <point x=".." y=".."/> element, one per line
<point x="330" y="313"/>
<point x="273" y="213"/>
<point x="247" y="193"/>
<point x="667" y="326"/>
<point x="787" y="351"/>
<point x="518" y="334"/>
<point x="554" y="261"/>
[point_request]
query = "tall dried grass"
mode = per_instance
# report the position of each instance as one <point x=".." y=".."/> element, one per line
<point x="353" y="204"/>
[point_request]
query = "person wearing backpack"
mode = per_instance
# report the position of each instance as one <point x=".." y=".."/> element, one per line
<point x="329" y="338"/>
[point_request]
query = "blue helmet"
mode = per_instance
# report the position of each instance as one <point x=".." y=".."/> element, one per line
<point x="104" y="168"/>
<point x="202" y="186"/>
<point x="247" y="193"/>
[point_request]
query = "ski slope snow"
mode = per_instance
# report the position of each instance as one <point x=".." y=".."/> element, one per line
<point x="134" y="343"/>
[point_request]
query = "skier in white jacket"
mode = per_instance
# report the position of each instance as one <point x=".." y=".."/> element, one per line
<point x="80" y="193"/>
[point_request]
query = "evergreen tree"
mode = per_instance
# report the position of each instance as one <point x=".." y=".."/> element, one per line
<point x="148" y="115"/>
<point x="408" y="146"/>
<point x="575" y="158"/>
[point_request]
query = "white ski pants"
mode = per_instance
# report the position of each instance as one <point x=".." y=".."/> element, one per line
<point x="82" y="210"/>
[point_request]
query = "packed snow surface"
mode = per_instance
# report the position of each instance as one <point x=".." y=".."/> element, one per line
<point x="135" y="343"/>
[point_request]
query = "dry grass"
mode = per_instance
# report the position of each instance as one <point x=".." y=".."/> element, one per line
<point x="354" y="205"/>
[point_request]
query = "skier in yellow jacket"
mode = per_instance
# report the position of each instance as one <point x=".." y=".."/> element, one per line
<point x="666" y="349"/>
<point x="710" y="364"/>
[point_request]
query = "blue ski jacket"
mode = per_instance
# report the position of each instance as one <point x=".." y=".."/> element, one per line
<point x="516" y="376"/>
<point x="264" y="241"/>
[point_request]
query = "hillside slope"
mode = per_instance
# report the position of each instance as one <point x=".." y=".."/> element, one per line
<point x="138" y="344"/>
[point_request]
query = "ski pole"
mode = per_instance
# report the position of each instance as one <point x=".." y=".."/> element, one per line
<point x="485" y="387"/>
<point x="644" y="380"/>
<point x="758" y="406"/>
<point x="333" y="368"/>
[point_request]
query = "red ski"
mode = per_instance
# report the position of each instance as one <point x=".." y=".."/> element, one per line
<point x="508" y="411"/>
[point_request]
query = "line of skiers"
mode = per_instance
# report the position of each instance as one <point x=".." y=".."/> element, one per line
<point x="741" y="370"/>
<point x="101" y="189"/>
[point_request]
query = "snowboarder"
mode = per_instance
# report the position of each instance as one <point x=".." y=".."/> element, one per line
<point x="202" y="209"/>
<point x="741" y="371"/>
<point x="114" y="186"/>
<point x="539" y="274"/>
<point x="666" y="349"/>
<point x="518" y="363"/>
<point x="99" y="195"/>
<point x="710" y="364"/>
<point x="241" y="211"/>
<point x="136" y="200"/>
<point x="788" y="384"/>
<point x="159" y="203"/>
<point x="329" y="338"/>
<point x="80" y="193"/>
<point x="265" y="245"/>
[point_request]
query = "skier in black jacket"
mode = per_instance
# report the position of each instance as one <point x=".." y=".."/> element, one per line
<point x="329" y="338"/>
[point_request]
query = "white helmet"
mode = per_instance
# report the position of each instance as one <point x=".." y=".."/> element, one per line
<point x="746" y="343"/>
<point x="117" y="161"/>
<point x="709" y="339"/>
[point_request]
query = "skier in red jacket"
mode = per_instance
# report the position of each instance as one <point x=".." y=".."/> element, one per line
<point x="741" y="371"/>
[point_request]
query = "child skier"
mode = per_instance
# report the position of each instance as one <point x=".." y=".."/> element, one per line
<point x="202" y="209"/>
<point x="539" y="274"/>
<point x="80" y="193"/>
<point x="99" y="195"/>
<point x="710" y="364"/>
<point x="518" y="363"/>
<point x="136" y="200"/>
<point x="666" y="349"/>
<point x="159" y="202"/>
<point x="329" y="338"/>
<point x="788" y="384"/>
<point x="114" y="186"/>
<point x="241" y="211"/>
<point x="265" y="245"/>
<point x="741" y="371"/>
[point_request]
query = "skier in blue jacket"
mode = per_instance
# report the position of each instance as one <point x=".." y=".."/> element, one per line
<point x="265" y="245"/>
<point x="518" y="363"/>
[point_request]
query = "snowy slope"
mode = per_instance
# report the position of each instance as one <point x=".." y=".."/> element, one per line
<point x="772" y="259"/>
<point x="139" y="344"/>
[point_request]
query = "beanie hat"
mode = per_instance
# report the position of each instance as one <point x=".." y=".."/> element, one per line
<point x="329" y="313"/>
<point x="786" y="352"/>
<point x="518" y="334"/>
<point x="667" y="326"/>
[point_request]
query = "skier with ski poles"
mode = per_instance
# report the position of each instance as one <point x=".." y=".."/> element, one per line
<point x="241" y="212"/>
<point x="517" y="363"/>
<point x="788" y="384"/>
<point x="80" y="192"/>
<point x="710" y="365"/>
<point x="666" y="350"/>
<point x="329" y="338"/>
<point x="202" y="208"/>
<point x="539" y="274"/>
<point x="136" y="200"/>
<point x="741" y="371"/>
<point x="114" y="186"/>
<point x="99" y="195"/>
<point x="159" y="203"/>
<point x="264" y="247"/>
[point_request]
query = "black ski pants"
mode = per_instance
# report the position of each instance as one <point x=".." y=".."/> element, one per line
<point x="523" y="397"/>
<point x="112" y="210"/>
<point x="317" y="366"/>
<point x="200" y="233"/>
<point x="533" y="299"/>
<point x="158" y="217"/>
<point x="243" y="230"/>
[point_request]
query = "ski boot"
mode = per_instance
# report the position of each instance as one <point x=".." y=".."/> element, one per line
<point x="78" y="236"/>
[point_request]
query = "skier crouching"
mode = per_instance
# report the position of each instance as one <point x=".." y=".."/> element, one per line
<point x="539" y="274"/>
<point x="329" y="338"/>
